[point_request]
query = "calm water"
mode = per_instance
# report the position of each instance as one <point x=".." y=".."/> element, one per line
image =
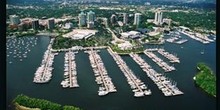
<point x="20" y="75"/>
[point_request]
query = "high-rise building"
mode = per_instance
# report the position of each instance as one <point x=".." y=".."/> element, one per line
<point x="51" y="23"/>
<point x="14" y="19"/>
<point x="137" y="18"/>
<point x="113" y="19"/>
<point x="90" y="19"/>
<point x="90" y="16"/>
<point x="125" y="18"/>
<point x="158" y="20"/>
<point x="82" y="19"/>
<point x="35" y="24"/>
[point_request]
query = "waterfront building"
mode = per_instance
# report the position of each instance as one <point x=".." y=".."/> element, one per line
<point x="158" y="17"/>
<point x="105" y="20"/>
<point x="137" y="18"/>
<point x="125" y="46"/>
<point x="113" y="19"/>
<point x="51" y="23"/>
<point x="125" y="18"/>
<point x="35" y="24"/>
<point x="131" y="34"/>
<point x="14" y="19"/>
<point x="79" y="34"/>
<point x="90" y="19"/>
<point x="82" y="19"/>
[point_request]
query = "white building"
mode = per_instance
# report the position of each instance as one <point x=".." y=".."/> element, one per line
<point x="78" y="34"/>
<point x="68" y="26"/>
<point x="14" y="19"/>
<point x="90" y="16"/>
<point x="137" y="18"/>
<point x="168" y="21"/>
<point x="158" y="17"/>
<point x="113" y="19"/>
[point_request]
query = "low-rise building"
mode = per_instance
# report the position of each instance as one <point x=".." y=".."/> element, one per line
<point x="78" y="34"/>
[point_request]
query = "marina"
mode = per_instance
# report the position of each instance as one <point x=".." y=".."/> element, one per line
<point x="102" y="78"/>
<point x="87" y="92"/>
<point x="159" y="61"/>
<point x="18" y="48"/>
<point x="43" y="73"/>
<point x="137" y="86"/>
<point x="165" y="85"/>
<point x="70" y="78"/>
<point x="171" y="57"/>
<point x="176" y="38"/>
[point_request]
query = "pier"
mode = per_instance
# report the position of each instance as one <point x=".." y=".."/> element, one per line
<point x="171" y="57"/>
<point x="137" y="86"/>
<point x="165" y="85"/>
<point x="102" y="78"/>
<point x="43" y="73"/>
<point x="159" y="62"/>
<point x="70" y="78"/>
<point x="77" y="48"/>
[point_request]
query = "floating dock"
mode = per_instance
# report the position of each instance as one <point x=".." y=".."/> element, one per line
<point x="43" y="73"/>
<point x="158" y="61"/>
<point x="165" y="85"/>
<point x="70" y="78"/>
<point x="102" y="78"/>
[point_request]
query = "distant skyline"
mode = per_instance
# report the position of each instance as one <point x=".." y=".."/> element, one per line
<point x="188" y="1"/>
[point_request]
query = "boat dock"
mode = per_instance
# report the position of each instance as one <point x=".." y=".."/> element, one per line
<point x="77" y="48"/>
<point x="44" y="73"/>
<point x="171" y="57"/>
<point x="165" y="85"/>
<point x="197" y="36"/>
<point x="70" y="78"/>
<point x="102" y="78"/>
<point x="176" y="38"/>
<point x="137" y="86"/>
<point x="158" y="61"/>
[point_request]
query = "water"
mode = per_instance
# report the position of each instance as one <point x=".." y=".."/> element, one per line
<point x="20" y="76"/>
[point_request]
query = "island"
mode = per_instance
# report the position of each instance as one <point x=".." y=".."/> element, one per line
<point x="205" y="79"/>
<point x="23" y="102"/>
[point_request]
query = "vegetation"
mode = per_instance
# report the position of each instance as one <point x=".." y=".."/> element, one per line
<point x="206" y="79"/>
<point x="194" y="20"/>
<point x="42" y="104"/>
<point x="63" y="43"/>
<point x="115" y="48"/>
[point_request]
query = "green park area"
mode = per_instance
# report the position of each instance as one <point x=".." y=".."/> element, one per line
<point x="206" y="79"/>
<point x="23" y="102"/>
